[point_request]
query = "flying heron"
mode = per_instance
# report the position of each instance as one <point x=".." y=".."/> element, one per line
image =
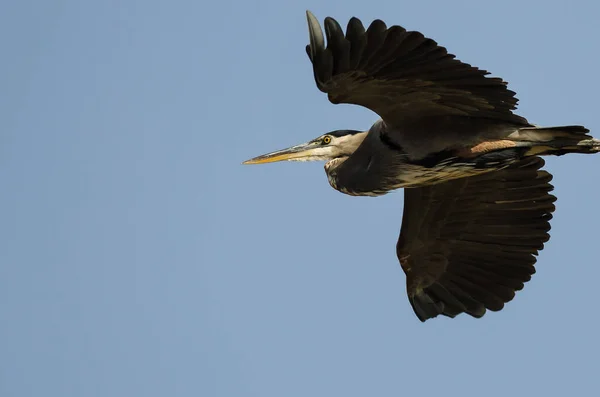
<point x="477" y="204"/>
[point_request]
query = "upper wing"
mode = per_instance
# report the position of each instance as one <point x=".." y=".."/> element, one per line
<point x="467" y="245"/>
<point x="400" y="74"/>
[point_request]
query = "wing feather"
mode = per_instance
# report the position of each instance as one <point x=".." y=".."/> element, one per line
<point x="402" y="74"/>
<point x="468" y="245"/>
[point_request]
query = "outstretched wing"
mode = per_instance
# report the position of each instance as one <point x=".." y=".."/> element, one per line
<point x="469" y="244"/>
<point x="401" y="74"/>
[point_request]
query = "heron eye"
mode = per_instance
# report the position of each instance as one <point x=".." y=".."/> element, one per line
<point x="326" y="140"/>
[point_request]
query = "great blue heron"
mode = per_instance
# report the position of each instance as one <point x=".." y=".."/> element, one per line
<point x="477" y="205"/>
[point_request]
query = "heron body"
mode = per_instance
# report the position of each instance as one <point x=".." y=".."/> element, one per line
<point x="477" y="204"/>
<point x="385" y="166"/>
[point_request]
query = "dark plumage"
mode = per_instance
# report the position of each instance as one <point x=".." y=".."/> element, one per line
<point x="477" y="205"/>
<point x="402" y="75"/>
<point x="467" y="245"/>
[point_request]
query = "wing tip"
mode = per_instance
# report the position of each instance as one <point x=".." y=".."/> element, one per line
<point x="317" y="41"/>
<point x="425" y="307"/>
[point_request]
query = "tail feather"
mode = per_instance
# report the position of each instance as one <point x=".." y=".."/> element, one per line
<point x="545" y="134"/>
<point x="556" y="141"/>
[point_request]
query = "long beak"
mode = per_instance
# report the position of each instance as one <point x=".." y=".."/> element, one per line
<point x="301" y="152"/>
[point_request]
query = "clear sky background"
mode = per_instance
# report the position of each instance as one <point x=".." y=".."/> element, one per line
<point x="138" y="257"/>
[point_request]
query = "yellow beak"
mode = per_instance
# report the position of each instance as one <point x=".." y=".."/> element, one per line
<point x="295" y="153"/>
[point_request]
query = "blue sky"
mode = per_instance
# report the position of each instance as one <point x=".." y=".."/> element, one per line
<point x="140" y="258"/>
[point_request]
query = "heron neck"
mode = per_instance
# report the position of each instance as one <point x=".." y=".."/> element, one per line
<point x="333" y="164"/>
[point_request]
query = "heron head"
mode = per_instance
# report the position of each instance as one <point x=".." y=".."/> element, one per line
<point x="329" y="146"/>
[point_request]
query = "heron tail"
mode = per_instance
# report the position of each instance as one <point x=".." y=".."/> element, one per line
<point x="556" y="141"/>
